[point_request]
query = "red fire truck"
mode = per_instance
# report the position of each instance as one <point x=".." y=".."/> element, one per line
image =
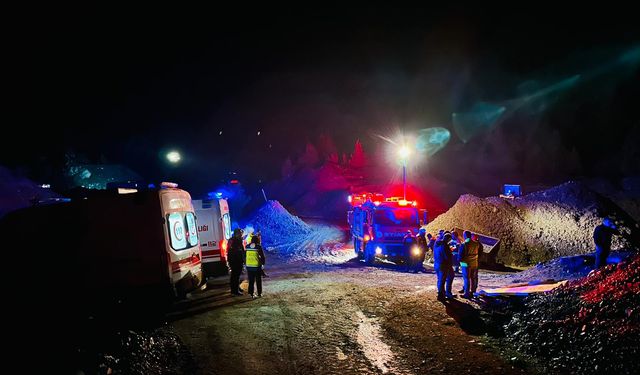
<point x="379" y="226"/>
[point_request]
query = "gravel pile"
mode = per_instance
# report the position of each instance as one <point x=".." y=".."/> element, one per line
<point x="588" y="326"/>
<point x="540" y="226"/>
<point x="290" y="236"/>
<point x="276" y="224"/>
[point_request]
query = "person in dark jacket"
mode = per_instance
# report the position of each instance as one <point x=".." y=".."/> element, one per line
<point x="468" y="257"/>
<point x="443" y="265"/>
<point x="423" y="244"/>
<point x="455" y="248"/>
<point x="409" y="243"/>
<point x="235" y="261"/>
<point x="602" y="237"/>
<point x="255" y="259"/>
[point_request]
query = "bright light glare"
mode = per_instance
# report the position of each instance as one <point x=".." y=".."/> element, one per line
<point x="173" y="156"/>
<point x="404" y="152"/>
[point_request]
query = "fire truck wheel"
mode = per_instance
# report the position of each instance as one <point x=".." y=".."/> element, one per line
<point x="356" y="247"/>
<point x="369" y="256"/>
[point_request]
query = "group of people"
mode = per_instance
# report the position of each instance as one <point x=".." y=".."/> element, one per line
<point x="250" y="256"/>
<point x="450" y="254"/>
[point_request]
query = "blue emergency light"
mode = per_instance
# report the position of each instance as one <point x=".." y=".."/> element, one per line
<point x="511" y="190"/>
<point x="214" y="194"/>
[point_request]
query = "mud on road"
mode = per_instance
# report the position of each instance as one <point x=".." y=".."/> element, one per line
<point x="337" y="319"/>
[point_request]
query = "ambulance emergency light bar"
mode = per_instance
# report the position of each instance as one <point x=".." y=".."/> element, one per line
<point x="165" y="184"/>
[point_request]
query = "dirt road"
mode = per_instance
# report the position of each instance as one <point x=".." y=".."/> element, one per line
<point x="340" y="318"/>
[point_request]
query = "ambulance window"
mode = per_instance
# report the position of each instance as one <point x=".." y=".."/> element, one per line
<point x="177" y="234"/>
<point x="226" y="224"/>
<point x="192" y="229"/>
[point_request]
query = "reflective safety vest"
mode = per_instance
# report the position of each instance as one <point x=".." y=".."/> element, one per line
<point x="252" y="257"/>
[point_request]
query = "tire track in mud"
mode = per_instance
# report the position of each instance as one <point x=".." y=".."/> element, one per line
<point x="323" y="330"/>
<point x="369" y="337"/>
<point x="288" y="338"/>
<point x="348" y="320"/>
<point x="349" y="341"/>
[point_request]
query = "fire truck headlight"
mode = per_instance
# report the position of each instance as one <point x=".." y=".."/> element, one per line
<point x="378" y="250"/>
<point x="367" y="237"/>
<point x="415" y="250"/>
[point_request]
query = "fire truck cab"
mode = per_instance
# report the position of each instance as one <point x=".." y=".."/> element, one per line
<point x="379" y="226"/>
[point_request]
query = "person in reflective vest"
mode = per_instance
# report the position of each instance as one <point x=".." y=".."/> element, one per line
<point x="255" y="259"/>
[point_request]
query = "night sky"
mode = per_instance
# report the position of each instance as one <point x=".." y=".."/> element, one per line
<point x="124" y="86"/>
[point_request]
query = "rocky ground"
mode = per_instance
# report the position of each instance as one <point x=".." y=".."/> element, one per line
<point x="328" y="318"/>
<point x="588" y="326"/>
<point x="337" y="315"/>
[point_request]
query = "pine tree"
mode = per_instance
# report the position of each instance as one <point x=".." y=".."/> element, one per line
<point x="326" y="147"/>
<point x="310" y="157"/>
<point x="358" y="158"/>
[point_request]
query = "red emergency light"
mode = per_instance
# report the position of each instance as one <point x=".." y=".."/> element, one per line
<point x="234" y="182"/>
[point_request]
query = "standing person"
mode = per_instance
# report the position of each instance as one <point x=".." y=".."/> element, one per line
<point x="235" y="261"/>
<point x="602" y="237"/>
<point x="409" y="242"/>
<point x="443" y="265"/>
<point x="455" y="248"/>
<point x="468" y="256"/>
<point x="430" y="245"/>
<point x="259" y="234"/>
<point x="254" y="262"/>
<point x="423" y="245"/>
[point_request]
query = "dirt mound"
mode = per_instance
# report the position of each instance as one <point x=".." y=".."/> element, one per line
<point x="542" y="225"/>
<point x="288" y="235"/>
<point x="590" y="325"/>
<point x="277" y="224"/>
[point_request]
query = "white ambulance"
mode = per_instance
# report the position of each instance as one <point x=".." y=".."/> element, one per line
<point x="128" y="241"/>
<point x="214" y="231"/>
